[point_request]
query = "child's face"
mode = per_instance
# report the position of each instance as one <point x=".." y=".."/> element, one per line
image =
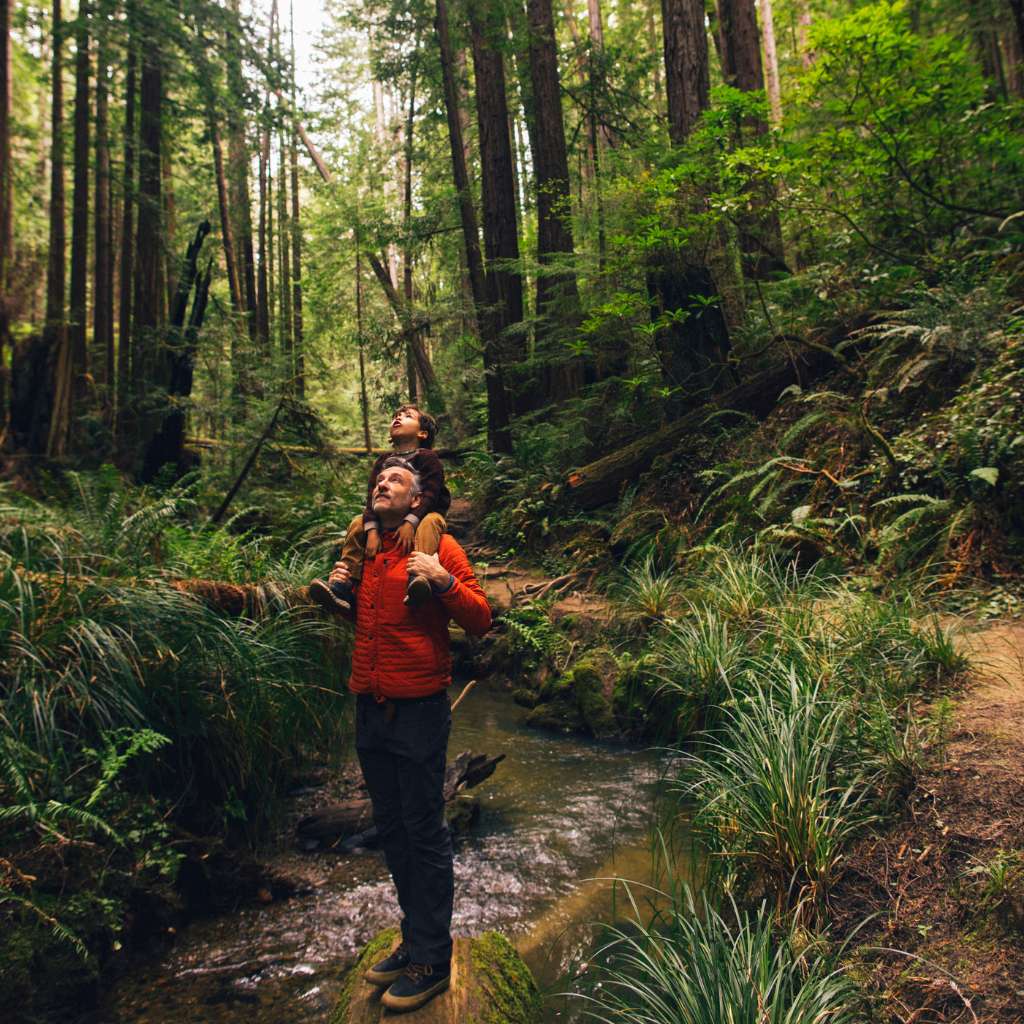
<point x="405" y="426"/>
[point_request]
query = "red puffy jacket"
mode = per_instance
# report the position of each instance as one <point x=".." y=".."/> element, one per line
<point x="402" y="651"/>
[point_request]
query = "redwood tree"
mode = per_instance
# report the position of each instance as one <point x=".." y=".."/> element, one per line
<point x="501" y="241"/>
<point x="557" y="294"/>
<point x="499" y="436"/>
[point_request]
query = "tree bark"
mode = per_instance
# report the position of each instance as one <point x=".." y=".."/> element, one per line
<point x="364" y="402"/>
<point x="127" y="265"/>
<point x="227" y="232"/>
<point x="150" y="237"/>
<point x="689" y="347"/>
<point x="238" y="179"/>
<point x="6" y="195"/>
<point x="501" y="242"/>
<point x="557" y="295"/>
<point x="173" y="369"/>
<point x="299" y="368"/>
<point x="103" y="249"/>
<point x="286" y="336"/>
<point x="686" y="65"/>
<point x="498" y="433"/>
<point x="760" y="232"/>
<point x="771" y="62"/>
<point x="70" y="380"/>
<point x="803" y="25"/>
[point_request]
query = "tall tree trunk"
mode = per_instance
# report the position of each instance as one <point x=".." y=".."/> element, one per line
<point x="293" y="150"/>
<point x="103" y="248"/>
<point x="163" y="441"/>
<point x="1017" y="10"/>
<point x="557" y="295"/>
<point x="6" y="221"/>
<point x="364" y="403"/>
<point x="127" y="267"/>
<point x="1014" y="61"/>
<point x="286" y="335"/>
<point x="150" y="237"/>
<point x="760" y="233"/>
<point x="771" y="62"/>
<point x="70" y="380"/>
<point x="499" y="436"/>
<point x="412" y="335"/>
<point x="169" y="265"/>
<point x="501" y="242"/>
<point x="686" y="65"/>
<point x="224" y="206"/>
<point x="679" y="279"/>
<point x="804" y="22"/>
<point x="238" y="180"/>
<point x="262" y="272"/>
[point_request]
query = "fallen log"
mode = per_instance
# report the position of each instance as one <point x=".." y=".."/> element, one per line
<point x="600" y="482"/>
<point x="353" y="819"/>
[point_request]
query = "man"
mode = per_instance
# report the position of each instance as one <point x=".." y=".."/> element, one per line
<point x="401" y="668"/>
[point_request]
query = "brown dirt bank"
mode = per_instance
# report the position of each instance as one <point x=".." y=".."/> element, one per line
<point x="946" y="881"/>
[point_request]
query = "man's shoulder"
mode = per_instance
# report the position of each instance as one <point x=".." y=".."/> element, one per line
<point x="450" y="547"/>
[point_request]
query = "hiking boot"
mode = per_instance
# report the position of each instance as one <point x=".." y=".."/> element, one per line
<point x="418" y="591"/>
<point x="385" y="971"/>
<point x="334" y="597"/>
<point x="416" y="986"/>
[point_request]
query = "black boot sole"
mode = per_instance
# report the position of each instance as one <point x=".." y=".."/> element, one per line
<point x="322" y="594"/>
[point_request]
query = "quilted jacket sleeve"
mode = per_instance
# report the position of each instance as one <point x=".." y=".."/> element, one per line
<point x="465" y="601"/>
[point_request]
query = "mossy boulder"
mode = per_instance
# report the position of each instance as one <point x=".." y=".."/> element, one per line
<point x="580" y="700"/>
<point x="490" y="985"/>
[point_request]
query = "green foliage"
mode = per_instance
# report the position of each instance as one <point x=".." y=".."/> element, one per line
<point x="888" y="112"/>
<point x="699" y="964"/>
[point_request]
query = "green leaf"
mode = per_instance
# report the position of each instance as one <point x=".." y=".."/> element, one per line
<point x="990" y="474"/>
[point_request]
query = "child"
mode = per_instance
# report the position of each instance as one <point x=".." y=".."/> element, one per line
<point x="412" y="434"/>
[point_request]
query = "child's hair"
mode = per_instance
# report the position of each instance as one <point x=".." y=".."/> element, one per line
<point x="427" y="423"/>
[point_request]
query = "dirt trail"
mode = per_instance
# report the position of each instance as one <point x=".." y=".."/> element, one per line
<point x="508" y="584"/>
<point x="995" y="704"/>
<point x="944" y="942"/>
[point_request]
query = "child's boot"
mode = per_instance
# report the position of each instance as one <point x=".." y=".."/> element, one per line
<point x="418" y="591"/>
<point x="334" y="597"/>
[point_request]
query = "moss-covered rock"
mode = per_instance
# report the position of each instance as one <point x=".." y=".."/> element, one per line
<point x="490" y="985"/>
<point x="558" y="715"/>
<point x="580" y="700"/>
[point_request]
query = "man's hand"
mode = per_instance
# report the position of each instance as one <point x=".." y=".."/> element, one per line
<point x="406" y="535"/>
<point x="340" y="574"/>
<point x="429" y="566"/>
<point x="372" y="543"/>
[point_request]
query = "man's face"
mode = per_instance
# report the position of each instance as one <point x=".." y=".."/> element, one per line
<point x="405" y="425"/>
<point x="392" y="494"/>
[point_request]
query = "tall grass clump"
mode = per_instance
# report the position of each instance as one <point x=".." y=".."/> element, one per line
<point x="94" y="639"/>
<point x="774" y="794"/>
<point x="695" y="964"/>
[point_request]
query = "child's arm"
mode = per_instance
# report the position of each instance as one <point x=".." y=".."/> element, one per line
<point x="434" y="496"/>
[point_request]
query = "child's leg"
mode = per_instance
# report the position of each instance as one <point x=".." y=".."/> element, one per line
<point x="428" y="533"/>
<point x="427" y="540"/>
<point x="353" y="548"/>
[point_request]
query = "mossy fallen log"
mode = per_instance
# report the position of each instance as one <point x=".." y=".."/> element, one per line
<point x="600" y="482"/>
<point x="490" y="985"/>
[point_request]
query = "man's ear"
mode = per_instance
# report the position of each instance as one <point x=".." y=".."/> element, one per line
<point x="416" y="502"/>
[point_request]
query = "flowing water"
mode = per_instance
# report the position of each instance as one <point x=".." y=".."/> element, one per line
<point x="559" y="814"/>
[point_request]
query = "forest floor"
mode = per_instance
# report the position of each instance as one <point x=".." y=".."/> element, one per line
<point x="945" y="882"/>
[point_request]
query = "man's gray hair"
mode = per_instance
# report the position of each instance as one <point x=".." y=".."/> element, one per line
<point x="397" y="462"/>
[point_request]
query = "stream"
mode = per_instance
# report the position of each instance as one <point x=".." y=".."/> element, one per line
<point x="559" y="813"/>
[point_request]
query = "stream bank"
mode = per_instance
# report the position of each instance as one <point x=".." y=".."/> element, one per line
<point x="558" y="811"/>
